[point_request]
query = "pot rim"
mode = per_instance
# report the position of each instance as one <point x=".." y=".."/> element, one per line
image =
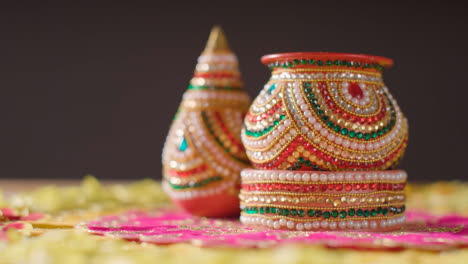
<point x="363" y="58"/>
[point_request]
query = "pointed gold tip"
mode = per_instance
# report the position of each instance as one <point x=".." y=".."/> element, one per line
<point x="217" y="40"/>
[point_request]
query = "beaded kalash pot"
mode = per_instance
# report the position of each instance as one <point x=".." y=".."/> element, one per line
<point x="330" y="113"/>
<point x="203" y="154"/>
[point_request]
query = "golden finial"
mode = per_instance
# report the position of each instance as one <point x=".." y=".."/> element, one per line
<point x="217" y="41"/>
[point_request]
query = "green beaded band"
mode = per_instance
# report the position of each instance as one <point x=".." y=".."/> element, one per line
<point x="379" y="211"/>
<point x="212" y="87"/>
<point x="344" y="131"/>
<point x="196" y="184"/>
<point x="260" y="133"/>
<point x="327" y="63"/>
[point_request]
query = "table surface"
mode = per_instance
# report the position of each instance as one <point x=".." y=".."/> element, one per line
<point x="17" y="185"/>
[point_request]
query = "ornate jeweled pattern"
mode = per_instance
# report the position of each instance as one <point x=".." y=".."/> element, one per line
<point x="333" y="117"/>
<point x="203" y="154"/>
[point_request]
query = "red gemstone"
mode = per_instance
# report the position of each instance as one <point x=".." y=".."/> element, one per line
<point x="270" y="187"/>
<point x="312" y="188"/>
<point x="355" y="91"/>
<point x="348" y="187"/>
<point x="323" y="187"/>
<point x="331" y="186"/>
<point x="372" y="185"/>
<point x="339" y="187"/>
<point x="379" y="186"/>
<point x="364" y="186"/>
<point x="357" y="186"/>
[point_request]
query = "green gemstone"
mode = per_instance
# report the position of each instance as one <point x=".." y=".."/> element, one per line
<point x="351" y="64"/>
<point x="320" y="63"/>
<point x="318" y="213"/>
<point x="335" y="213"/>
<point x="301" y="213"/>
<point x="358" y="64"/>
<point x="352" y="134"/>
<point x="385" y="129"/>
<point x="359" y="135"/>
<point x="380" y="132"/>
<point x="282" y="117"/>
<point x="276" y="122"/>
<point x="273" y="210"/>
<point x="261" y="210"/>
<point x="366" y="65"/>
<point x="304" y="61"/>
<point x="308" y="163"/>
<point x="297" y="165"/>
<point x="326" y="215"/>
<point x="366" y="213"/>
<point x="325" y="118"/>
<point x="311" y="62"/>
<point x="285" y="212"/>
<point x="291" y="65"/>
<point x="344" y="131"/>
<point x="359" y="212"/>
<point x="270" y="128"/>
<point x="330" y="124"/>
<point x="351" y="212"/>
<point x="293" y="212"/>
<point x="373" y="212"/>
<point x="343" y="63"/>
<point x="337" y="129"/>
<point x="366" y="136"/>
<point x="374" y="134"/>
<point x="320" y="112"/>
<point x="301" y="160"/>
<point x="379" y="210"/>
<point x="296" y="61"/>
<point x="337" y="62"/>
<point x="385" y="211"/>
<point x="183" y="145"/>
<point x="343" y="214"/>
<point x="311" y="213"/>
<point x="328" y="63"/>
<point x="267" y="210"/>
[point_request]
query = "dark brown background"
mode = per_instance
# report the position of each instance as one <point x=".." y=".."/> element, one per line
<point x="93" y="89"/>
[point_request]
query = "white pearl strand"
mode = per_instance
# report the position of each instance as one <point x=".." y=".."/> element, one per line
<point x="264" y="175"/>
<point x="215" y="95"/>
<point x="324" y="225"/>
<point x="287" y="76"/>
<point x="207" y="58"/>
<point x="263" y="102"/>
<point x="343" y="141"/>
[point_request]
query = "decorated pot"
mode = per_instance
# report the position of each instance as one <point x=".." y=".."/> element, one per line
<point x="203" y="154"/>
<point x="325" y="111"/>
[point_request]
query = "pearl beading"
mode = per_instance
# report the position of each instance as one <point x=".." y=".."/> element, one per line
<point x="263" y="155"/>
<point x="307" y="76"/>
<point x="251" y="175"/>
<point x="222" y="66"/>
<point x="320" y="225"/>
<point x="215" y="95"/>
<point x="216" y="58"/>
